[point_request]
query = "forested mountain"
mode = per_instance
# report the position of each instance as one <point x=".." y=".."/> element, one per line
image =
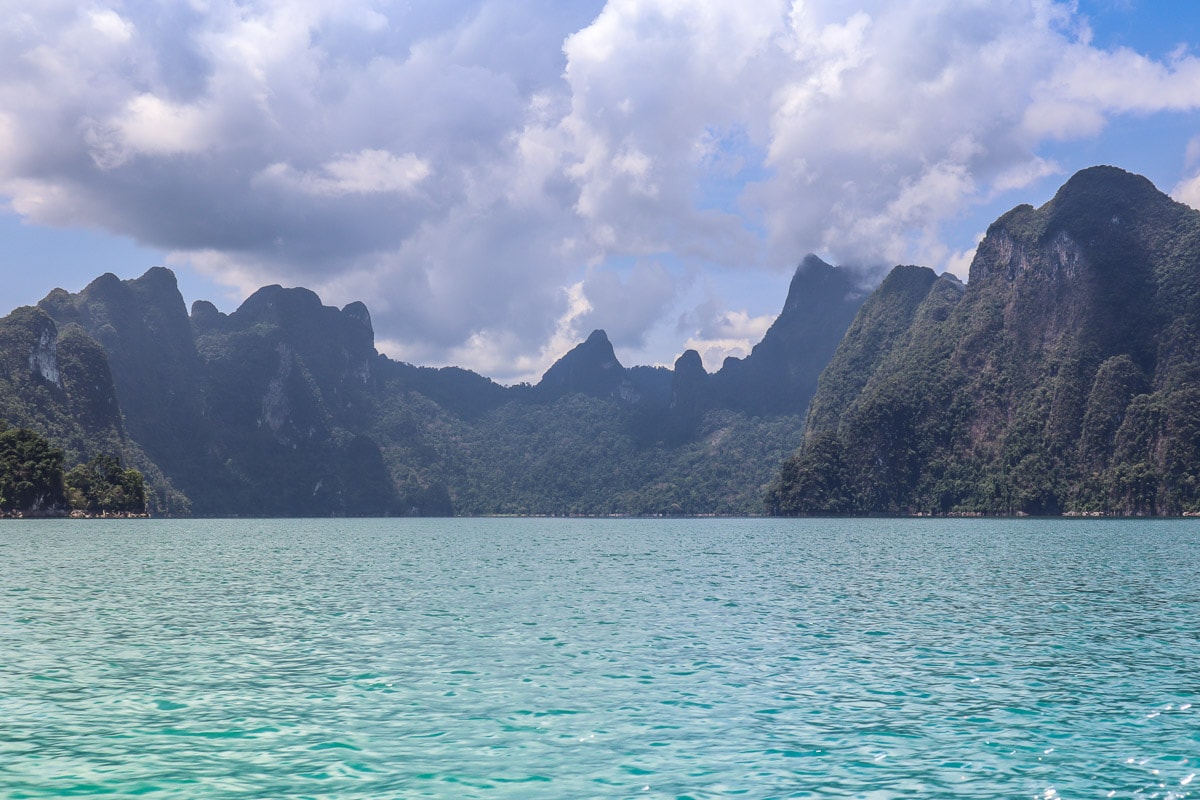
<point x="284" y="407"/>
<point x="1065" y="376"/>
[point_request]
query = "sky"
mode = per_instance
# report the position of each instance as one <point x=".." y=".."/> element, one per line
<point x="497" y="178"/>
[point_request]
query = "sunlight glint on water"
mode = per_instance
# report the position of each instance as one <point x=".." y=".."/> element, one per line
<point x="600" y="658"/>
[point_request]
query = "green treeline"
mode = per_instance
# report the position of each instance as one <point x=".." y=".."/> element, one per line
<point x="32" y="480"/>
<point x="103" y="486"/>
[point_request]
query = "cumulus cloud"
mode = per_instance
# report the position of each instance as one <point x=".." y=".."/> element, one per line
<point x="364" y="172"/>
<point x="626" y="307"/>
<point x="1188" y="191"/>
<point x="723" y="334"/>
<point x="496" y="177"/>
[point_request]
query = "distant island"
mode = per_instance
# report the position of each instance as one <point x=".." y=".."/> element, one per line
<point x="1063" y="378"/>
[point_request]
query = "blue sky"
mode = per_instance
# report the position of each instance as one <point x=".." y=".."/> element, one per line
<point x="495" y="178"/>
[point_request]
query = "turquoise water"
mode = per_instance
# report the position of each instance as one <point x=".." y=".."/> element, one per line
<point x="600" y="658"/>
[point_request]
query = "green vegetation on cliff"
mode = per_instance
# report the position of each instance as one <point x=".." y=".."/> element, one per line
<point x="1064" y="378"/>
<point x="32" y="480"/>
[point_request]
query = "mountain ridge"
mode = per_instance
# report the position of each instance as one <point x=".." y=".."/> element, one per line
<point x="284" y="407"/>
<point x="1062" y="379"/>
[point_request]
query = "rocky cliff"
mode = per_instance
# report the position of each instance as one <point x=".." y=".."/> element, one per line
<point x="1065" y="377"/>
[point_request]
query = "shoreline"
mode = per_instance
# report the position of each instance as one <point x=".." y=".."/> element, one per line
<point x="74" y="514"/>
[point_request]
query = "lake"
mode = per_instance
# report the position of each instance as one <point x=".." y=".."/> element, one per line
<point x="536" y="658"/>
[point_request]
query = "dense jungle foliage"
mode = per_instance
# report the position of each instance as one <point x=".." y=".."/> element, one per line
<point x="32" y="480"/>
<point x="1064" y="378"/>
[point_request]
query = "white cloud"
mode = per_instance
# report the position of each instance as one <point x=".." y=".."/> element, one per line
<point x="149" y="125"/>
<point x="477" y="170"/>
<point x="958" y="263"/>
<point x="1188" y="191"/>
<point x="627" y="306"/>
<point x="1087" y="86"/>
<point x="111" y="25"/>
<point x="1023" y="174"/>
<point x="727" y="334"/>
<point x="1193" y="151"/>
<point x="364" y="172"/>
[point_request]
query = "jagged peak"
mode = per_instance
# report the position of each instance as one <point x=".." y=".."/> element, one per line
<point x="104" y="284"/>
<point x="275" y="296"/>
<point x="813" y="261"/>
<point x="161" y="276"/>
<point x="205" y="316"/>
<point x="596" y="348"/>
<point x="689" y="362"/>
<point x="358" y="311"/>
<point x="590" y="367"/>
<point x="1103" y="196"/>
<point x="815" y="278"/>
<point x="158" y="282"/>
<point x="906" y="278"/>
<point x="1108" y="179"/>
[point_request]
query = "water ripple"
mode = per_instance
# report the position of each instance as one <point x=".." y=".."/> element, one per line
<point x="585" y="658"/>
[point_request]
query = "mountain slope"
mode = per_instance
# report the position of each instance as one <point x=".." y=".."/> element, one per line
<point x="1063" y="378"/>
<point x="779" y="376"/>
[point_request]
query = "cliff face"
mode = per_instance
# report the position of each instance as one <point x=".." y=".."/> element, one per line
<point x="1063" y="378"/>
<point x="58" y="381"/>
<point x="142" y="327"/>
<point x="780" y="374"/>
<point x="257" y="412"/>
<point x="290" y="386"/>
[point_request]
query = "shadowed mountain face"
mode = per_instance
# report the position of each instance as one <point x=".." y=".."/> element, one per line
<point x="590" y="368"/>
<point x="1062" y="378"/>
<point x="143" y="328"/>
<point x="780" y="374"/>
<point x="284" y="407"/>
<point x="243" y="414"/>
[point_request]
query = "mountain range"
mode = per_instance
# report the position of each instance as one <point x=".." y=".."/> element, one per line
<point x="284" y="407"/>
<point x="1063" y="377"/>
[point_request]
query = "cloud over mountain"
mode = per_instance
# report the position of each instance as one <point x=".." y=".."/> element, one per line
<point x="491" y="174"/>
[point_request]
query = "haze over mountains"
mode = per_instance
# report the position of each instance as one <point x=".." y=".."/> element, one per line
<point x="1064" y="377"/>
<point x="284" y="407"/>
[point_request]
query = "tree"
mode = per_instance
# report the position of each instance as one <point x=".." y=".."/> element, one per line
<point x="31" y="477"/>
<point x="813" y="481"/>
<point x="101" y="485"/>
